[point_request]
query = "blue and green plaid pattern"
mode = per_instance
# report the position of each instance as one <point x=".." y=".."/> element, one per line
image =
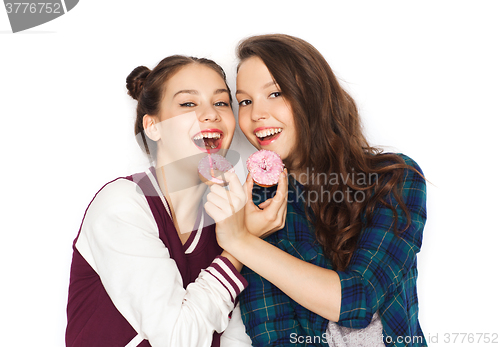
<point x="381" y="275"/>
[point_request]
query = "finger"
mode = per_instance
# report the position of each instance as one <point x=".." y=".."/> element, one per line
<point x="283" y="183"/>
<point x="218" y="214"/>
<point x="218" y="190"/>
<point x="282" y="192"/>
<point x="235" y="185"/>
<point x="282" y="214"/>
<point x="265" y="203"/>
<point x="238" y="192"/>
<point x="214" y="212"/>
<point x="232" y="200"/>
<point x="225" y="202"/>
<point x="284" y="205"/>
<point x="218" y="201"/>
<point x="249" y="187"/>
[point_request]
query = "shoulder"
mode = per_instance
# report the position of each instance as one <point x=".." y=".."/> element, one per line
<point x="414" y="190"/>
<point x="411" y="181"/>
<point x="413" y="177"/>
<point x="119" y="201"/>
<point x="410" y="162"/>
<point x="118" y="209"/>
<point x="389" y="158"/>
<point x="412" y="173"/>
<point x="119" y="192"/>
<point x="118" y="217"/>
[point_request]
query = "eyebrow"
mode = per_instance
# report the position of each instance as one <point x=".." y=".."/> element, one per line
<point x="220" y="91"/>
<point x="268" y="84"/>
<point x="195" y="92"/>
<point x="186" y="91"/>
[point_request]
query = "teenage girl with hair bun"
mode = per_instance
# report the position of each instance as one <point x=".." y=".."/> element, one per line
<point x="147" y="269"/>
<point x="340" y="265"/>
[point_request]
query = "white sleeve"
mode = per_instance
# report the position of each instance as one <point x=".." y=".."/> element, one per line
<point x="119" y="238"/>
<point x="235" y="335"/>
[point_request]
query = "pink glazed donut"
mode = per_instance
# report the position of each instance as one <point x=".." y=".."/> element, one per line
<point x="265" y="167"/>
<point x="213" y="166"/>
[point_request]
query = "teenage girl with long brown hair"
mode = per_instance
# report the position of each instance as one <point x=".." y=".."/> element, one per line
<point x="347" y="225"/>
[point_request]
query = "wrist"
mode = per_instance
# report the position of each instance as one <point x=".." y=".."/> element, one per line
<point x="238" y="266"/>
<point x="238" y="245"/>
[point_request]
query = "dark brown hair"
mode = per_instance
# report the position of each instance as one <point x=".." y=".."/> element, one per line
<point x="330" y="140"/>
<point x="147" y="87"/>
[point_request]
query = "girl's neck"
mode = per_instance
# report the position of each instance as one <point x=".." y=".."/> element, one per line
<point x="183" y="193"/>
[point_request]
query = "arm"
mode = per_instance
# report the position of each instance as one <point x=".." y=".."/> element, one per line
<point x="378" y="265"/>
<point x="235" y="335"/>
<point x="383" y="262"/>
<point x="237" y="265"/>
<point x="119" y="239"/>
<point x="313" y="287"/>
<point x="270" y="316"/>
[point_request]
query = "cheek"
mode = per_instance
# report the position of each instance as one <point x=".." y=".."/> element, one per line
<point x="243" y="123"/>
<point x="291" y="140"/>
<point x="231" y="122"/>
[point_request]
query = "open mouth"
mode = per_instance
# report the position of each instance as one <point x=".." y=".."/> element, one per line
<point x="209" y="140"/>
<point x="267" y="135"/>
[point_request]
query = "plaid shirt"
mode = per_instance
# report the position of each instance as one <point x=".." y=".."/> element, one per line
<point x="381" y="275"/>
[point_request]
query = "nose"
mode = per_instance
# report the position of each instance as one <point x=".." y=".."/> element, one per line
<point x="259" y="112"/>
<point x="209" y="114"/>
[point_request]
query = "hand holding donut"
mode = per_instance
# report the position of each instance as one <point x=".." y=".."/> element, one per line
<point x="270" y="216"/>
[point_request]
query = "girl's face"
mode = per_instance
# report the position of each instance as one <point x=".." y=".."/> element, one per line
<point x="265" y="116"/>
<point x="195" y="115"/>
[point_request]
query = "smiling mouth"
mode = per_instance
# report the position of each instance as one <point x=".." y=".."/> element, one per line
<point x="208" y="140"/>
<point x="268" y="135"/>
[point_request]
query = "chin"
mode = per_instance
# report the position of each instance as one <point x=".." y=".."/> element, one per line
<point x="278" y="150"/>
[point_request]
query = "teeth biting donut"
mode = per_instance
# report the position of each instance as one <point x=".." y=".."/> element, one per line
<point x="265" y="167"/>
<point x="212" y="168"/>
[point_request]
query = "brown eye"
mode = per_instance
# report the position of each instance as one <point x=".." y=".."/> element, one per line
<point x="244" y="103"/>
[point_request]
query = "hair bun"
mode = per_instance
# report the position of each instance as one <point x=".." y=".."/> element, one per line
<point x="135" y="81"/>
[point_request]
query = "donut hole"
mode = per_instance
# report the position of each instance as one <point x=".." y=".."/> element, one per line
<point x="264" y="165"/>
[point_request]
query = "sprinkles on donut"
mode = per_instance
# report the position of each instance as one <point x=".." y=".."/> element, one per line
<point x="265" y="167"/>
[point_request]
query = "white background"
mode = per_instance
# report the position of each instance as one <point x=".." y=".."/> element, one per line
<point x="425" y="74"/>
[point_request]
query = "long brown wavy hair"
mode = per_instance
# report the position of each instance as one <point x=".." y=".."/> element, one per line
<point x="330" y="141"/>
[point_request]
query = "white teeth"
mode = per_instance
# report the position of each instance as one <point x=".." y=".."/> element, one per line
<point x="207" y="136"/>
<point x="267" y="132"/>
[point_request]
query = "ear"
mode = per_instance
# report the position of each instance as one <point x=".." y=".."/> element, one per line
<point x="151" y="127"/>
